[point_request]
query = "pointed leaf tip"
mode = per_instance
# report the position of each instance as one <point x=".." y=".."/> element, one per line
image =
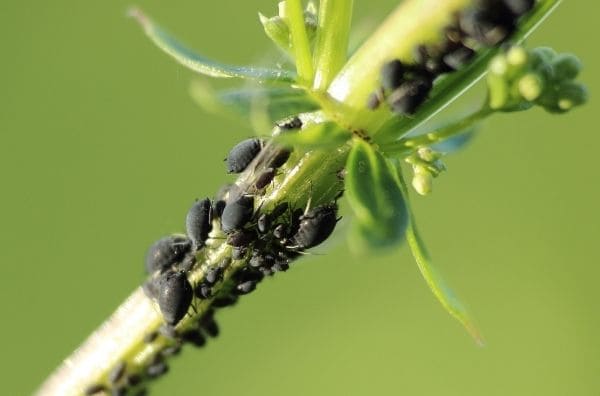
<point x="438" y="285"/>
<point x="201" y="64"/>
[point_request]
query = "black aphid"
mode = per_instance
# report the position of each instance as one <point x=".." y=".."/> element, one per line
<point x="203" y="291"/>
<point x="239" y="252"/>
<point x="458" y="57"/>
<point x="194" y="337"/>
<point x="237" y="213"/>
<point x="171" y="350"/>
<point x="225" y="301"/>
<point x="245" y="287"/>
<point x="213" y="275"/>
<point x="291" y="123"/>
<point x="489" y="24"/>
<point x="263" y="224"/>
<point x="265" y="178"/>
<point x="133" y="379"/>
<point x="117" y="373"/>
<point x="166" y="252"/>
<point x="315" y="226"/>
<point x="280" y="231"/>
<point x="209" y="325"/>
<point x="281" y="265"/>
<point x="157" y="369"/>
<point x="280" y="158"/>
<point x="409" y="96"/>
<point x="242" y="154"/>
<point x="241" y="238"/>
<point x="519" y="7"/>
<point x="174" y="296"/>
<point x="198" y="222"/>
<point x="392" y="74"/>
<point x="94" y="389"/>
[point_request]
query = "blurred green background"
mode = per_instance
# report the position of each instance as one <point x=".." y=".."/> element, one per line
<point x="102" y="151"/>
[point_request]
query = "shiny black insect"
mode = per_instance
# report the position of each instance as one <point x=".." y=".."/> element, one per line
<point x="203" y="291"/>
<point x="392" y="74"/>
<point x="225" y="301"/>
<point x="265" y="220"/>
<point x="409" y="96"/>
<point x="315" y="226"/>
<point x="157" y="369"/>
<point x="245" y="287"/>
<point x="209" y="325"/>
<point x="458" y="57"/>
<point x="174" y="296"/>
<point x="198" y="222"/>
<point x="237" y="213"/>
<point x="239" y="253"/>
<point x="171" y="350"/>
<point x="279" y="158"/>
<point x="289" y="124"/>
<point x="265" y="178"/>
<point x="242" y="154"/>
<point x="241" y="238"/>
<point x="194" y="337"/>
<point x="166" y="252"/>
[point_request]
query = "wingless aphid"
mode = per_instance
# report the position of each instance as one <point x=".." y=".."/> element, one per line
<point x="166" y="252"/>
<point x="242" y="154"/>
<point x="174" y="296"/>
<point x="198" y="222"/>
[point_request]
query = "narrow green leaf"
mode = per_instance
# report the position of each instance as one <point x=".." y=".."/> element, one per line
<point x="201" y="64"/>
<point x="315" y="137"/>
<point x="374" y="194"/>
<point x="262" y="106"/>
<point x="300" y="42"/>
<point x="333" y="33"/>
<point x="434" y="280"/>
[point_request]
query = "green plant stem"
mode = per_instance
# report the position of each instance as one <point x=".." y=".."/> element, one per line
<point x="405" y="146"/>
<point x="300" y="43"/>
<point x="310" y="175"/>
<point x="332" y="40"/>
<point x="414" y="22"/>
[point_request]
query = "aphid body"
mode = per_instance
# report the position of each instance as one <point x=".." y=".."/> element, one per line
<point x="198" y="222"/>
<point x="237" y="213"/>
<point x="242" y="154"/>
<point x="166" y="252"/>
<point x="174" y="296"/>
<point x="315" y="226"/>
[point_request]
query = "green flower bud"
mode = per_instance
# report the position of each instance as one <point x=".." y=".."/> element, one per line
<point x="422" y="181"/>
<point x="571" y="94"/>
<point x="566" y="67"/>
<point x="427" y="154"/>
<point x="517" y="56"/>
<point x="497" y="91"/>
<point x="277" y="30"/>
<point x="530" y="86"/>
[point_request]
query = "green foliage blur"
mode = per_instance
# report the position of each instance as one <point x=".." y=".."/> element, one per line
<point x="102" y="151"/>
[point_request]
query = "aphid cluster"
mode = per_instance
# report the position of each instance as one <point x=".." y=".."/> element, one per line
<point x="264" y="240"/>
<point x="405" y="86"/>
